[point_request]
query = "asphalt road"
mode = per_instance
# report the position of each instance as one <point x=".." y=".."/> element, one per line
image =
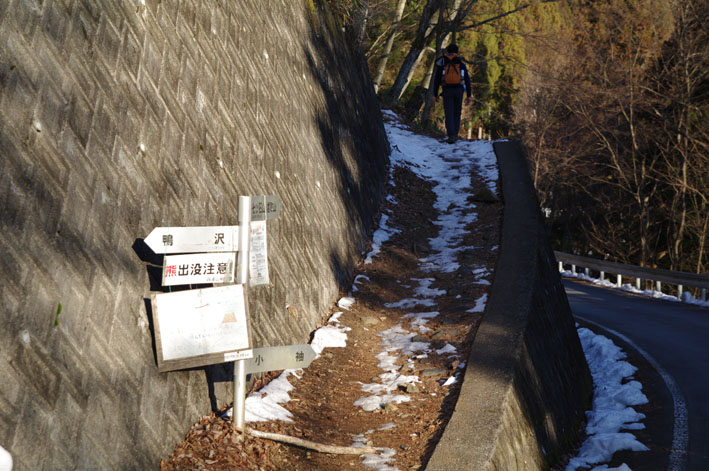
<point x="676" y="338"/>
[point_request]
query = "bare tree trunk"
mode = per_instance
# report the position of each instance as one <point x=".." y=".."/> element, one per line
<point x="417" y="46"/>
<point x="412" y="71"/>
<point x="427" y="79"/>
<point x="389" y="44"/>
<point x="644" y="226"/>
<point x="361" y="27"/>
<point x="428" y="101"/>
<point x="702" y="242"/>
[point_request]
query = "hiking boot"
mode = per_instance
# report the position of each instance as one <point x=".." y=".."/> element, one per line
<point x="452" y="139"/>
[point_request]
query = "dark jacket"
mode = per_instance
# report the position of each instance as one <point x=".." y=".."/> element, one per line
<point x="440" y="71"/>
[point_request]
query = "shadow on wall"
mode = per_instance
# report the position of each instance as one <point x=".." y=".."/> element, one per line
<point x="216" y="373"/>
<point x="360" y="163"/>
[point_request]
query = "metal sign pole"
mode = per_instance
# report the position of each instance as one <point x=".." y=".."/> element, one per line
<point x="242" y="276"/>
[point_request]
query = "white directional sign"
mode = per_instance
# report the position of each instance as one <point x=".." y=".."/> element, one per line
<point x="280" y="358"/>
<point x="198" y="268"/>
<point x="265" y="207"/>
<point x="200" y="327"/>
<point x="164" y="240"/>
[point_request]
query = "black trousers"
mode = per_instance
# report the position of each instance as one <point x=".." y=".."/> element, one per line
<point x="452" y="106"/>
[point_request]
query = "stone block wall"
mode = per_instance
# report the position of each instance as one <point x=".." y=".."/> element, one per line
<point x="120" y="116"/>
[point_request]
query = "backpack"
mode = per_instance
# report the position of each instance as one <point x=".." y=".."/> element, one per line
<point x="451" y="70"/>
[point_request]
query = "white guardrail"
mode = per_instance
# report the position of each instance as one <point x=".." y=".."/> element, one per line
<point x="656" y="275"/>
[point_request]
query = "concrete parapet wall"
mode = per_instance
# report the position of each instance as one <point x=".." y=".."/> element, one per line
<point x="527" y="384"/>
<point x="119" y="116"/>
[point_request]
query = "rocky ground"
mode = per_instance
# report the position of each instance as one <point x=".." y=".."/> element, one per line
<point x="323" y="399"/>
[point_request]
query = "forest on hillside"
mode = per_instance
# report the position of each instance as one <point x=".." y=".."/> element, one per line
<point x="609" y="97"/>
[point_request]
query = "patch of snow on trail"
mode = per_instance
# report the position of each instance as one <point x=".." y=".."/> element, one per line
<point x="265" y="404"/>
<point x="378" y="461"/>
<point x="396" y="339"/>
<point x="480" y="304"/>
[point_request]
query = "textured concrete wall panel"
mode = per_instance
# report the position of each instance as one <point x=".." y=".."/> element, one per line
<point x="118" y="117"/>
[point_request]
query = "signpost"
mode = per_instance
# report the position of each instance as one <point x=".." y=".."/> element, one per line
<point x="164" y="240"/>
<point x="210" y="325"/>
<point x="280" y="358"/>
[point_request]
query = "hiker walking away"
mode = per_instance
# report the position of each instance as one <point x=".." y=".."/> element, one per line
<point x="453" y="75"/>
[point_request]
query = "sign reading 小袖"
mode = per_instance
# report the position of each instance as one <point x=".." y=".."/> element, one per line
<point x="198" y="268"/>
<point x="165" y="240"/>
<point x="280" y="358"/>
<point x="200" y="327"/>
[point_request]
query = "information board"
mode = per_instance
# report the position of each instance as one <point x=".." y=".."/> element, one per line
<point x="200" y="327"/>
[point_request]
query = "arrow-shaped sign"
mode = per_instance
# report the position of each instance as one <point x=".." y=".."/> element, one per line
<point x="280" y="358"/>
<point x="164" y="240"/>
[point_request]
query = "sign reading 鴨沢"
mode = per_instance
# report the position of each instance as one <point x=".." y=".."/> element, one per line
<point x="200" y="327"/>
<point x="164" y="240"/>
<point x="198" y="268"/>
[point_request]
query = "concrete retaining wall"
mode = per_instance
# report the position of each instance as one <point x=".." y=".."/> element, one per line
<point x="119" y="116"/>
<point x="527" y="384"/>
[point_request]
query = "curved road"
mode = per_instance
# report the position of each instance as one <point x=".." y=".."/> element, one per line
<point x="675" y="335"/>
